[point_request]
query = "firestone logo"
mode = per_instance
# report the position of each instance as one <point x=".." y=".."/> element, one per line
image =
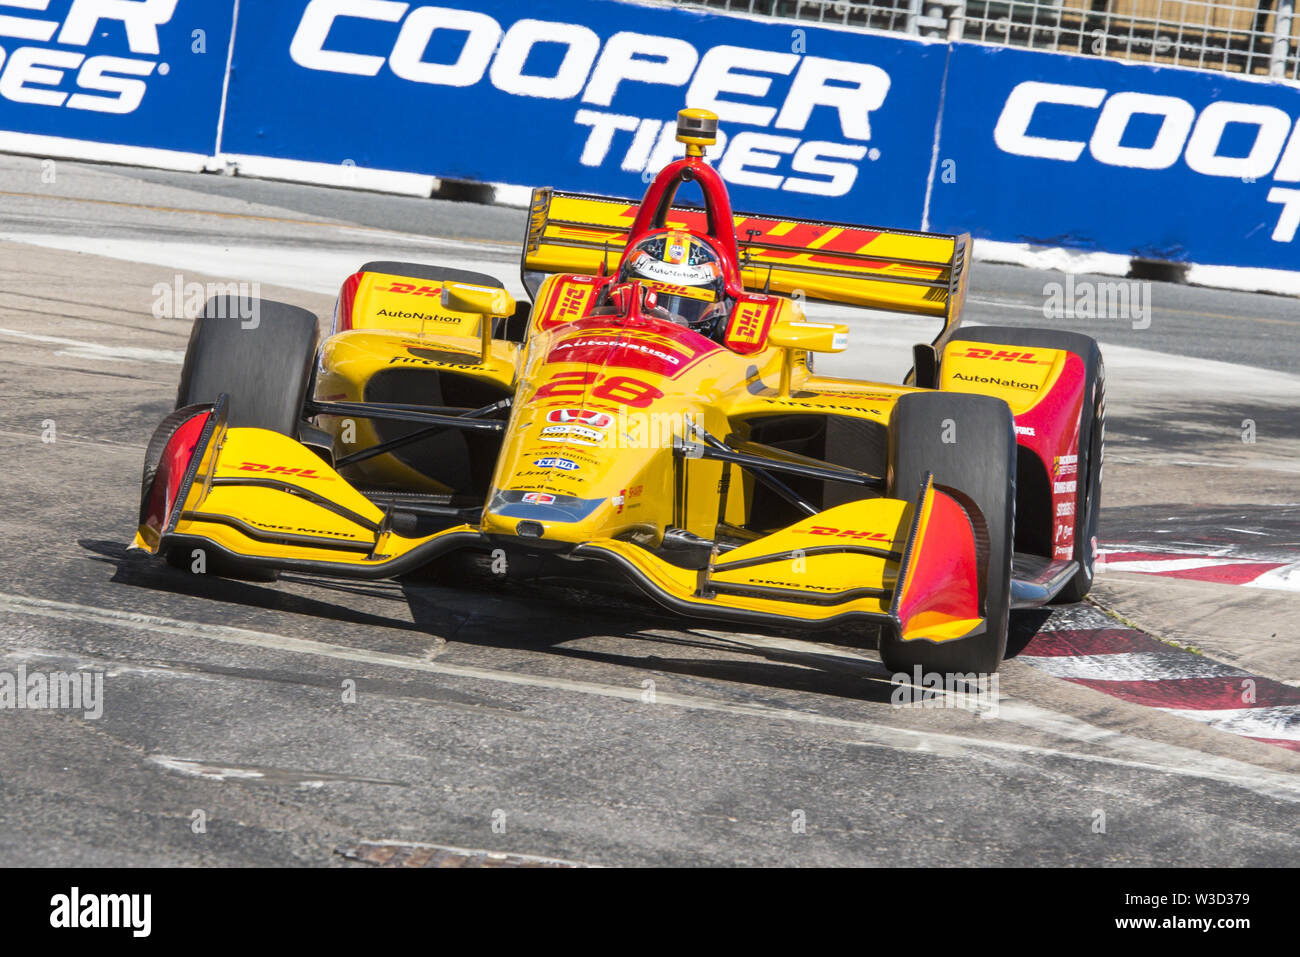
<point x="736" y="82"/>
<point x="46" y="76"/>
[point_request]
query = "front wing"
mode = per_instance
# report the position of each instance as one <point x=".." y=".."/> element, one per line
<point x="264" y="500"/>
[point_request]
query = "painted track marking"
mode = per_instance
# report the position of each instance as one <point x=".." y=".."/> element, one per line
<point x="1135" y="667"/>
<point x="1135" y="753"/>
<point x="1219" y="569"/>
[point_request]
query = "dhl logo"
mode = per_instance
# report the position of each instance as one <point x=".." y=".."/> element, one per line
<point x="283" y="470"/>
<point x="1002" y="355"/>
<point x="749" y="324"/>
<point x="569" y="302"/>
<point x="410" y="289"/>
<point x="828" y="531"/>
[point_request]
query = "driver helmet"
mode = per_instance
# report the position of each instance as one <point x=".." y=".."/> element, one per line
<point x="685" y="274"/>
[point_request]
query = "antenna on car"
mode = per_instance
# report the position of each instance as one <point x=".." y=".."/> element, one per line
<point x="697" y="129"/>
<point x="745" y="254"/>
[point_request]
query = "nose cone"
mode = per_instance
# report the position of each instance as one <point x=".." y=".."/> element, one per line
<point x="589" y="452"/>
<point x="579" y="482"/>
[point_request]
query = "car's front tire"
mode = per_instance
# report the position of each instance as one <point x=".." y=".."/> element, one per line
<point x="260" y="354"/>
<point x="967" y="442"/>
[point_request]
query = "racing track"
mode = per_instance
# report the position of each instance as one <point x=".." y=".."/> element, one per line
<point x="523" y="706"/>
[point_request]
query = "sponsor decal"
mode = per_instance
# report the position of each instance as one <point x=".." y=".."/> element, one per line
<point x="1200" y="137"/>
<point x="571" y="300"/>
<point x="1003" y="355"/>
<point x="420" y="316"/>
<point x="681" y="273"/>
<point x="271" y="527"/>
<point x="555" y="462"/>
<point x="643" y="352"/>
<point x="103" y="84"/>
<point x="624" y="494"/>
<point x="280" y="470"/>
<point x="1064" y="487"/>
<point x="801" y="585"/>
<point x="995" y="380"/>
<point x="846" y="533"/>
<point x="572" y="433"/>
<point x="410" y="289"/>
<point x="1026" y="430"/>
<point x="781" y="91"/>
<point x="587" y="417"/>
<point x="538" y="498"/>
<point x="749" y="325"/>
<point x="1064" y="509"/>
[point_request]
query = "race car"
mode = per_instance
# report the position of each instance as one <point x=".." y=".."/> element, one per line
<point x="654" y="409"/>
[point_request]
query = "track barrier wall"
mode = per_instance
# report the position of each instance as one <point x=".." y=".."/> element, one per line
<point x="1013" y="145"/>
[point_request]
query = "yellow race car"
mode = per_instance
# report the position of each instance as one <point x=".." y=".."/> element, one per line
<point x="654" y="408"/>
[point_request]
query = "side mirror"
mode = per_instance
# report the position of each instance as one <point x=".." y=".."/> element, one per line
<point x="483" y="300"/>
<point x="811" y="336"/>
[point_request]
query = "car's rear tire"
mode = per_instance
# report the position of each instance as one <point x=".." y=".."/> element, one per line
<point x="260" y="353"/>
<point x="1092" y="438"/>
<point x="968" y="443"/>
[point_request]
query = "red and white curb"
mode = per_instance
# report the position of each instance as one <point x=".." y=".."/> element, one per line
<point x="1084" y="647"/>
<point x="1252" y="573"/>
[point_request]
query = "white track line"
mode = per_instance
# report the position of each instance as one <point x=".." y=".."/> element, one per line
<point x="1138" y="753"/>
<point x="1133" y="666"/>
<point x="1174" y="564"/>
<point x="75" y="440"/>
<point x="80" y="349"/>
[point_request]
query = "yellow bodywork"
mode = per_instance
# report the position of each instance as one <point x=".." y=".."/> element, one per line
<point x="594" y="460"/>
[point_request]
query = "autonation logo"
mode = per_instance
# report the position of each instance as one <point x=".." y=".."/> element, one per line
<point x="592" y="71"/>
<point x="1195" y="136"/>
<point x="43" y="60"/>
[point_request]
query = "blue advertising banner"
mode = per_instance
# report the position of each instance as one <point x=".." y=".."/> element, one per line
<point x="582" y="96"/>
<point x="1042" y="148"/>
<point x="1091" y="153"/>
<point x="148" y="73"/>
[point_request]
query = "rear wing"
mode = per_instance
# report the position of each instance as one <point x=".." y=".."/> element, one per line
<point x="918" y="273"/>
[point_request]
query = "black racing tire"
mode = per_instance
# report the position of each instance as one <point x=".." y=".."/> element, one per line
<point x="261" y="354"/>
<point x="258" y="352"/>
<point x="977" y="466"/>
<point x="1092" y="438"/>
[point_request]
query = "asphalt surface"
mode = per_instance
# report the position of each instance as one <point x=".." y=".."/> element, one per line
<point x="300" y="718"/>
